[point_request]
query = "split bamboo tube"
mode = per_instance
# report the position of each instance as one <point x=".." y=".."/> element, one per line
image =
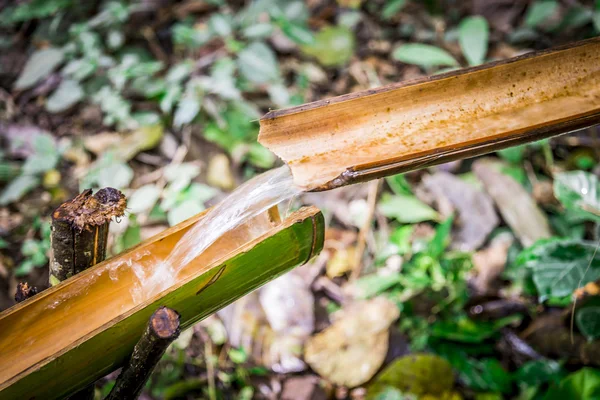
<point x="89" y="324"/>
<point x="374" y="133"/>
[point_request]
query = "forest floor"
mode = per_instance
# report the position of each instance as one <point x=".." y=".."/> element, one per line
<point x="475" y="279"/>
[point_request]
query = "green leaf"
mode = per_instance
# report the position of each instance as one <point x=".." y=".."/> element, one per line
<point x="561" y="266"/>
<point x="258" y="31"/>
<point x="40" y="65"/>
<point x="45" y="156"/>
<point x="392" y="7"/>
<point x="465" y="330"/>
<point x="473" y="37"/>
<point x="539" y="12"/>
<point x="441" y="239"/>
<point x="582" y="385"/>
<point x="18" y="188"/>
<point x="32" y="10"/>
<point x="371" y="285"/>
<point x="190" y="104"/>
<point x="143" y="199"/>
<point x="389" y="393"/>
<point x="588" y="322"/>
<point x="258" y="63"/>
<point x="406" y="209"/>
<point x="398" y="184"/>
<point x="184" y="210"/>
<point x="65" y="96"/>
<point x="513" y="155"/>
<point x="420" y="374"/>
<point x="333" y="46"/>
<point x="424" y="55"/>
<point x="580" y="192"/>
<point x="538" y="372"/>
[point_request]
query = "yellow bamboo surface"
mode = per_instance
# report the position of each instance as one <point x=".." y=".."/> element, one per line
<point x="47" y="327"/>
<point x="373" y="133"/>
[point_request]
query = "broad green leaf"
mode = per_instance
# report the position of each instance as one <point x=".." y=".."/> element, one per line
<point x="35" y="9"/>
<point x="45" y="156"/>
<point x="539" y="11"/>
<point x="390" y="393"/>
<point x="258" y="63"/>
<point x="588" y="322"/>
<point x="398" y="184"/>
<point x="441" y="239"/>
<point x="220" y="24"/>
<point x="580" y="192"/>
<point x="473" y="37"/>
<point x="143" y="199"/>
<point x="170" y="98"/>
<point x="298" y="33"/>
<point x="424" y="55"/>
<point x="581" y="385"/>
<point x="406" y="209"/>
<point x="513" y="155"/>
<point x="258" y="31"/>
<point x="419" y="374"/>
<point x="190" y="104"/>
<point x="561" y="266"/>
<point x="40" y="65"/>
<point x="333" y="46"/>
<point x="183" y="211"/>
<point x="65" y="96"/>
<point x="18" y="188"/>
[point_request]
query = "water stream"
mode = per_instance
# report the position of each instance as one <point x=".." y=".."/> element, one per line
<point x="249" y="200"/>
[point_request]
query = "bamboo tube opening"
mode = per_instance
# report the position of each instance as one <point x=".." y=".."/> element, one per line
<point x="65" y="316"/>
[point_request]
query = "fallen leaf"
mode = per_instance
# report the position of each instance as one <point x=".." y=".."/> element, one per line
<point x="219" y="172"/>
<point x="302" y="388"/>
<point x="490" y="262"/>
<point x="419" y="374"/>
<point x="40" y="65"/>
<point x="288" y="305"/>
<point x="517" y="207"/>
<point x="125" y="146"/>
<point x="476" y="217"/>
<point x="358" y="338"/>
<point x="341" y="262"/>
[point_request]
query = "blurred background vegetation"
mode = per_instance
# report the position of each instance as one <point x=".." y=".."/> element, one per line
<point x="469" y="270"/>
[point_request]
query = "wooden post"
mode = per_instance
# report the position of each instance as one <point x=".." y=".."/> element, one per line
<point x="80" y="229"/>
<point x="79" y="234"/>
<point x="162" y="329"/>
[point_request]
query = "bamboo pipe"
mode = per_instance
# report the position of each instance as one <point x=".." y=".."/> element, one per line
<point x="405" y="126"/>
<point x="89" y="324"/>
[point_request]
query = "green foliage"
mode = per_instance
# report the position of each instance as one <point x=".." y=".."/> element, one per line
<point x="579" y="192"/>
<point x="406" y="208"/>
<point x="332" y="46"/>
<point x="559" y="266"/>
<point x="39" y="66"/>
<point x="473" y="37"/>
<point x="539" y="12"/>
<point x="583" y="385"/>
<point x="35" y="250"/>
<point x="424" y="55"/>
<point x="32" y="10"/>
<point x="588" y="321"/>
<point x="463" y="329"/>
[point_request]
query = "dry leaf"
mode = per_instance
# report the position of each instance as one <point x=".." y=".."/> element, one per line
<point x="476" y="217"/>
<point x="489" y="263"/>
<point x="357" y="338"/>
<point x="517" y="207"/>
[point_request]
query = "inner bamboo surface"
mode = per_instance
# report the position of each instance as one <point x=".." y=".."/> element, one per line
<point x="404" y="126"/>
<point x="46" y="325"/>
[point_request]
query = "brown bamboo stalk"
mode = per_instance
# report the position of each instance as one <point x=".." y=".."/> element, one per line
<point x="162" y="329"/>
<point x="410" y="125"/>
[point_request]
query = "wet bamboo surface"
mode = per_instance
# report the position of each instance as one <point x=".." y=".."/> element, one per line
<point x="89" y="324"/>
<point x="396" y="128"/>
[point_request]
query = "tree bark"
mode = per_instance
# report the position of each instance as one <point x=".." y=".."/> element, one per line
<point x="80" y="229"/>
<point x="162" y="329"/>
<point x="24" y="291"/>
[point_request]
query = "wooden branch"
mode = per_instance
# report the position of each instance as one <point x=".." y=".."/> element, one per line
<point x="400" y="127"/>
<point x="162" y="329"/>
<point x="89" y="324"/>
<point x="24" y="291"/>
<point x="80" y="229"/>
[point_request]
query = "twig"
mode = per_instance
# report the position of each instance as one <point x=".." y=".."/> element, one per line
<point x="162" y="329"/>
<point x="365" y="228"/>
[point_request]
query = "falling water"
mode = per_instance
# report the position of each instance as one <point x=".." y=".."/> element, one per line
<point x="249" y="200"/>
